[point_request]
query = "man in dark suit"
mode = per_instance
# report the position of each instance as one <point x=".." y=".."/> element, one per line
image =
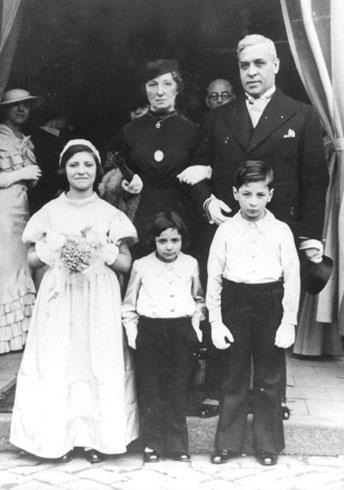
<point x="264" y="124"/>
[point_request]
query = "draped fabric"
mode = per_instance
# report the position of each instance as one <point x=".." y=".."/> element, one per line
<point x="11" y="15"/>
<point x="316" y="37"/>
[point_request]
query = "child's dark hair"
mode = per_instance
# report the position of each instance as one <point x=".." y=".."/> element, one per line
<point x="253" y="171"/>
<point x="161" y="222"/>
<point x="73" y="150"/>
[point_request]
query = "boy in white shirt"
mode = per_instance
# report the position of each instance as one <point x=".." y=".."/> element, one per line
<point x="161" y="313"/>
<point x="252" y="297"/>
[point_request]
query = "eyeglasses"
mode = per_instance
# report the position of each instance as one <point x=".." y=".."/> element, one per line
<point x="216" y="96"/>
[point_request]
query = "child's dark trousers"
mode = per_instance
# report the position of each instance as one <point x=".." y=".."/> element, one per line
<point x="166" y="349"/>
<point x="253" y="313"/>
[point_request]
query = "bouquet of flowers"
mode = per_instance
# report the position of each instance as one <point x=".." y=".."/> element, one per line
<point x="80" y="250"/>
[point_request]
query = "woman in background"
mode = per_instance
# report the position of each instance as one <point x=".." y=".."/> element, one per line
<point x="18" y="171"/>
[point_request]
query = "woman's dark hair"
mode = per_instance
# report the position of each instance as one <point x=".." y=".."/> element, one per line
<point x="161" y="222"/>
<point x="159" y="67"/>
<point x="253" y="171"/>
<point x="73" y="150"/>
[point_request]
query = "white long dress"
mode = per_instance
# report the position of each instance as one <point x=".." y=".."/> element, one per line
<point x="75" y="386"/>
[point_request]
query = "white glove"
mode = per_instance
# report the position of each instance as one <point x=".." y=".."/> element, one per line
<point x="134" y="186"/>
<point x="214" y="208"/>
<point x="314" y="249"/>
<point x="194" y="174"/>
<point x="195" y="321"/>
<point x="109" y="253"/>
<point x="221" y="336"/>
<point x="285" y="335"/>
<point x="46" y="253"/>
<point x="131" y="332"/>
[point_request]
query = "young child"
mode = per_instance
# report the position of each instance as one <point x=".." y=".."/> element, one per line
<point x="161" y="313"/>
<point x="252" y="297"/>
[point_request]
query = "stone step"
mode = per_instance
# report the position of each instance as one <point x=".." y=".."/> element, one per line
<point x="302" y="437"/>
<point x="315" y="395"/>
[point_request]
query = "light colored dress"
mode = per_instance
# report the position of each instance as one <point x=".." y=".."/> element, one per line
<point x="17" y="291"/>
<point x="75" y="386"/>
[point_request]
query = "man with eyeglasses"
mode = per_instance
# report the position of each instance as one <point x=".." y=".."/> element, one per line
<point x="219" y="92"/>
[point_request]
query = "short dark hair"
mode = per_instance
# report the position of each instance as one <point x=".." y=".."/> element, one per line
<point x="73" y="150"/>
<point x="253" y="171"/>
<point x="155" y="68"/>
<point x="161" y="222"/>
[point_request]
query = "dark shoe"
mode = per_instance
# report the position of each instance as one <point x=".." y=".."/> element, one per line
<point x="285" y="412"/>
<point x="66" y="457"/>
<point x="223" y="456"/>
<point x="151" y="456"/>
<point x="93" y="456"/>
<point x="182" y="457"/>
<point x="267" y="459"/>
<point x="206" y="411"/>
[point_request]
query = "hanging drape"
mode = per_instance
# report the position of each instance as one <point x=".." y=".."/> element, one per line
<point x="316" y="38"/>
<point x="11" y="14"/>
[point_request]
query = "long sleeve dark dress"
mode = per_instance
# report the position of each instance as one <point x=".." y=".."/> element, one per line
<point x="158" y="150"/>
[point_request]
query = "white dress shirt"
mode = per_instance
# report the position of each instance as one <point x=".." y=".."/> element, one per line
<point x="160" y="289"/>
<point x="254" y="252"/>
<point x="256" y="106"/>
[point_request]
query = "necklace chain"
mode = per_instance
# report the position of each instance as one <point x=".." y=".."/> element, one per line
<point x="163" y="118"/>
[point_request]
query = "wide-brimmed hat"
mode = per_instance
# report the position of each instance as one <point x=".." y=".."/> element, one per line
<point x="16" y="95"/>
<point x="314" y="276"/>
<point x="156" y="68"/>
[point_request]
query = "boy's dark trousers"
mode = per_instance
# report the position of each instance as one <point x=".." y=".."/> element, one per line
<point x="166" y="349"/>
<point x="253" y="313"/>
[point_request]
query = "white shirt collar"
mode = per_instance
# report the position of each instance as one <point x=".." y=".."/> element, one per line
<point x="266" y="96"/>
<point x="262" y="225"/>
<point x="158" y="266"/>
<point x="53" y="131"/>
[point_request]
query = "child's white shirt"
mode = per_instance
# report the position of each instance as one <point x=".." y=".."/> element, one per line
<point x="160" y="289"/>
<point x="254" y="252"/>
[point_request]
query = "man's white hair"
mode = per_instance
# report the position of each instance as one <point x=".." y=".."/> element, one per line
<point x="253" y="39"/>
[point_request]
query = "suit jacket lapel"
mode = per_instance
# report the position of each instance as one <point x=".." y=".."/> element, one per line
<point x="276" y="113"/>
<point x="238" y="120"/>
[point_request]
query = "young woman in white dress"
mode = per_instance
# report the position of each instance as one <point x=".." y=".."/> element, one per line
<point x="75" y="386"/>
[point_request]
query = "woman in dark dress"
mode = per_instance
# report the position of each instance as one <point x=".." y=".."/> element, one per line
<point x="157" y="147"/>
